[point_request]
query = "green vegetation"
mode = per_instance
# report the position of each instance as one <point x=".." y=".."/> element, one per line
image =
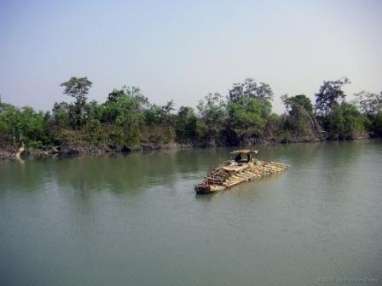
<point x="340" y="119"/>
<point x="128" y="121"/>
<point x="249" y="106"/>
<point x="299" y="122"/>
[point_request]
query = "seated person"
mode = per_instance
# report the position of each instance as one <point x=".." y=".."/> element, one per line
<point x="239" y="159"/>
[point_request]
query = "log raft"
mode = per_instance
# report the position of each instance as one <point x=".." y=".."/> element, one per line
<point x="243" y="168"/>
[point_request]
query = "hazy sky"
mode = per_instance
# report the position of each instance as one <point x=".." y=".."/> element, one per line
<point x="182" y="50"/>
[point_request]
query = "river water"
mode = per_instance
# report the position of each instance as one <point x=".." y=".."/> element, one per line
<point x="135" y="220"/>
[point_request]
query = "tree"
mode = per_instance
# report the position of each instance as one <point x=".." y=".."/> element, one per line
<point x="131" y="91"/>
<point x="345" y="122"/>
<point x="135" y="92"/>
<point x="370" y="103"/>
<point x="159" y="115"/>
<point x="93" y="111"/>
<point x="126" y="113"/>
<point x="250" y="89"/>
<point x="185" y="126"/>
<point x="249" y="106"/>
<point x="78" y="88"/>
<point x="24" y="125"/>
<point x="10" y="126"/>
<point x="249" y="119"/>
<point x="300" y="122"/>
<point x="213" y="113"/>
<point x="329" y="96"/>
<point x="371" y="107"/>
<point x="115" y="95"/>
<point x="293" y="103"/>
<point x="60" y="114"/>
<point x="378" y="124"/>
<point x="34" y="127"/>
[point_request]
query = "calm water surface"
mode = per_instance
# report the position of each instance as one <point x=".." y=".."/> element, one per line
<point x="135" y="220"/>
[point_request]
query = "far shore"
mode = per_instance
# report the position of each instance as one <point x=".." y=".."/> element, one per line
<point x="10" y="153"/>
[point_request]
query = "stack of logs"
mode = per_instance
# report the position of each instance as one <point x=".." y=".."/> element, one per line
<point x="217" y="176"/>
<point x="220" y="176"/>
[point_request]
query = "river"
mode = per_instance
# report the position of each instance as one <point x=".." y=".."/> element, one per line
<point x="135" y="220"/>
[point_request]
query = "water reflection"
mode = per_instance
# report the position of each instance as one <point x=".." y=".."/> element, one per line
<point x="117" y="174"/>
<point x="132" y="173"/>
<point x="28" y="176"/>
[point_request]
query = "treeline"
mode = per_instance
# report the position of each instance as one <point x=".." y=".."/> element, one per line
<point x="127" y="120"/>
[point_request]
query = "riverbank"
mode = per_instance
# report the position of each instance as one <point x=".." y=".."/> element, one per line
<point x="9" y="152"/>
<point x="64" y="151"/>
<point x="128" y="122"/>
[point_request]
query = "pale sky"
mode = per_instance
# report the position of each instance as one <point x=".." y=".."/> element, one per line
<point x="182" y="50"/>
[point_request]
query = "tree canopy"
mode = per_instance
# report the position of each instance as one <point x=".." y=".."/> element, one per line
<point x="78" y="88"/>
<point x="242" y="116"/>
<point x="250" y="89"/>
<point x="329" y="95"/>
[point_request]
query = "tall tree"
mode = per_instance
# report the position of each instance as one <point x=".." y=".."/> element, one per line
<point x="300" y="121"/>
<point x="249" y="105"/>
<point x="78" y="88"/>
<point x="292" y="103"/>
<point x="60" y="114"/>
<point x="115" y="95"/>
<point x="159" y="115"/>
<point x="131" y="91"/>
<point x="345" y="122"/>
<point x="250" y="89"/>
<point x="213" y="113"/>
<point x="329" y="96"/>
<point x="185" y="126"/>
<point x="370" y="103"/>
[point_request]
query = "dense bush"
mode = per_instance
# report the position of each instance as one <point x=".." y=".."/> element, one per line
<point x="345" y="122"/>
<point x="23" y="125"/>
<point x="299" y="123"/>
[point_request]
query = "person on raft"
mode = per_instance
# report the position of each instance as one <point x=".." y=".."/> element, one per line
<point x="240" y="159"/>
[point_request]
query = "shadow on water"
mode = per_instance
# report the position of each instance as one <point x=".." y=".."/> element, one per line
<point x="130" y="174"/>
<point x="135" y="172"/>
<point x="27" y="176"/>
<point x="117" y="174"/>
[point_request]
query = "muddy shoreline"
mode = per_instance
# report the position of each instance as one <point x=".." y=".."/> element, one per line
<point x="9" y="152"/>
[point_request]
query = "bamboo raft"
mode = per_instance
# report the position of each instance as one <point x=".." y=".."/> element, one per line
<point x="237" y="171"/>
